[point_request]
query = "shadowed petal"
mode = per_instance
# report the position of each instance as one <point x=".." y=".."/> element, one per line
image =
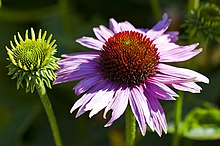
<point x="90" y="43"/>
<point x="160" y="90"/>
<point x="87" y="83"/>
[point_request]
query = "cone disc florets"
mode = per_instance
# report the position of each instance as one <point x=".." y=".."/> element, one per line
<point x="129" y="58"/>
<point x="32" y="60"/>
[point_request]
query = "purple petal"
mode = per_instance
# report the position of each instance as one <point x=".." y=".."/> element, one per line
<point x="102" y="100"/>
<point x="118" y="104"/>
<point x="166" y="79"/>
<point x="138" y="113"/>
<point x="88" y="96"/>
<point x="173" y="36"/>
<point x="87" y="83"/>
<point x="81" y="55"/>
<point x="190" y="87"/>
<point x="181" y="53"/>
<point x="126" y="26"/>
<point x="78" y="64"/>
<point x="144" y="30"/>
<point x="160" y="90"/>
<point x="102" y="33"/>
<point x="182" y="73"/>
<point x="157" y="113"/>
<point x="138" y="99"/>
<point x="90" y="43"/>
<point x="76" y="72"/>
<point x="113" y="25"/>
<point x="159" y="28"/>
<point x="169" y="37"/>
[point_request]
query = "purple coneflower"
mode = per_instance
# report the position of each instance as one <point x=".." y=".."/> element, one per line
<point x="128" y="68"/>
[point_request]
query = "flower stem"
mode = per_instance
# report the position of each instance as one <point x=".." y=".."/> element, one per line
<point x="130" y="124"/>
<point x="193" y="4"/>
<point x="50" y="114"/>
<point x="177" y="115"/>
<point x="156" y="9"/>
<point x="65" y="16"/>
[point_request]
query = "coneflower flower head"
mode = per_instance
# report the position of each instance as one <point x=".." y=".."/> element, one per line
<point x="32" y="60"/>
<point x="128" y="69"/>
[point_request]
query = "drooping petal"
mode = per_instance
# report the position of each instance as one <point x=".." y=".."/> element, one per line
<point x="159" y="28"/>
<point x="118" y="104"/>
<point x="101" y="99"/>
<point x="181" y="73"/>
<point x="138" y="97"/>
<point x="157" y="113"/>
<point x="90" y="43"/>
<point x="139" y="114"/>
<point x="167" y="79"/>
<point x="190" y="87"/>
<point x="160" y="90"/>
<point x="89" y="95"/>
<point x="178" y="54"/>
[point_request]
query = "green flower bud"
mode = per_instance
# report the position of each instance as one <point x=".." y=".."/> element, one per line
<point x="32" y="60"/>
<point x="204" y="22"/>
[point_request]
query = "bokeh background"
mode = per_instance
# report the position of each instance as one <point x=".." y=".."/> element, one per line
<point x="23" y="121"/>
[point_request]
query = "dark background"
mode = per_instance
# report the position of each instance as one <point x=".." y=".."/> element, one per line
<point x="23" y="121"/>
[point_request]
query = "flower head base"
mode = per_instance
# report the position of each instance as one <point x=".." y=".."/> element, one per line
<point x="128" y="70"/>
<point x="32" y="60"/>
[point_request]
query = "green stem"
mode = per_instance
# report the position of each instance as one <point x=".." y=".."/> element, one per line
<point x="50" y="114"/>
<point x="156" y="9"/>
<point x="193" y="4"/>
<point x="65" y="16"/>
<point x="0" y="3"/>
<point x="130" y="124"/>
<point x="177" y="122"/>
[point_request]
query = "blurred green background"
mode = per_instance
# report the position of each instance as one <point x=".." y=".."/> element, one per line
<point x="23" y="121"/>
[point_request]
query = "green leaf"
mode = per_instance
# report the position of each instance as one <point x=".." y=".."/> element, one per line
<point x="202" y="124"/>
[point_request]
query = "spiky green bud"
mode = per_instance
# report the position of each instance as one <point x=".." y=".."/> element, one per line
<point x="204" y="22"/>
<point x="32" y="60"/>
